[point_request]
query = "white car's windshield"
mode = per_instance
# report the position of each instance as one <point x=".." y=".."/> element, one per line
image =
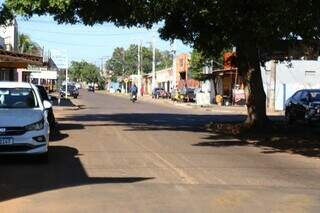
<point x="17" y="98"/>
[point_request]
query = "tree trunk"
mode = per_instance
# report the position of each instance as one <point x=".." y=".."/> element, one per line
<point x="249" y="66"/>
<point x="214" y="81"/>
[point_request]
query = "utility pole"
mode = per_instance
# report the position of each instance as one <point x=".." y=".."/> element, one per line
<point x="124" y="88"/>
<point x="139" y="68"/>
<point x="153" y="63"/>
<point x="174" y="66"/>
<point x="101" y="66"/>
<point x="272" y="85"/>
<point x="67" y="67"/>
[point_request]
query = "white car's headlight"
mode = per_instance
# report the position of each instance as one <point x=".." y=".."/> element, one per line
<point x="35" y="126"/>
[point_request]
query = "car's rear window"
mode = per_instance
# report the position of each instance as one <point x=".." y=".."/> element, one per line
<point x="17" y="98"/>
<point x="70" y="87"/>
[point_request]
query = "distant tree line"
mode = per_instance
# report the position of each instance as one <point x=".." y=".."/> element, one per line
<point x="124" y="62"/>
<point x="82" y="71"/>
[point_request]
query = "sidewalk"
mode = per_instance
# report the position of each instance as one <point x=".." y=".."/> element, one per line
<point x="65" y="104"/>
<point x="211" y="108"/>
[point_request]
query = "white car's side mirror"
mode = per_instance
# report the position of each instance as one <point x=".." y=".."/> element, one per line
<point x="47" y="104"/>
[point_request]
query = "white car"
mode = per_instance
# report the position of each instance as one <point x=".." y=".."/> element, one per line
<point x="24" y="128"/>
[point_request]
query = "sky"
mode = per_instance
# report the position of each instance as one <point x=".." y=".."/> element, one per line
<point x="92" y="44"/>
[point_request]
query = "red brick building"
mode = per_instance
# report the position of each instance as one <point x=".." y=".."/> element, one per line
<point x="184" y="77"/>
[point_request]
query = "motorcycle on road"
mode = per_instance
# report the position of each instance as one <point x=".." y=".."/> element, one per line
<point x="134" y="98"/>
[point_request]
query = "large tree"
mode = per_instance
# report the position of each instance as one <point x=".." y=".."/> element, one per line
<point x="207" y="25"/>
<point x="83" y="71"/>
<point x="76" y="70"/>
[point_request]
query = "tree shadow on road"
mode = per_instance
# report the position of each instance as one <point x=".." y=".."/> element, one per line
<point x="299" y="139"/>
<point x="153" y="121"/>
<point x="22" y="176"/>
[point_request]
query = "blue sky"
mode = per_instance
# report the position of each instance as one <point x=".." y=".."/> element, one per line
<point x="89" y="43"/>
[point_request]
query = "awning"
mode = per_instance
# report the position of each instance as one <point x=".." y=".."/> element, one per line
<point x="220" y="72"/>
<point x="14" y="60"/>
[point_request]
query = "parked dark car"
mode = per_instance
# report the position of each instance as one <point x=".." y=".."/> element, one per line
<point x="188" y="94"/>
<point x="156" y="93"/>
<point x="164" y="94"/>
<point x="160" y="93"/>
<point x="45" y="97"/>
<point x="71" y="90"/>
<point x="304" y="105"/>
<point x="90" y="88"/>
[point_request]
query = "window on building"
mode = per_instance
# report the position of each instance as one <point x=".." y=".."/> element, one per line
<point x="183" y="76"/>
<point x="310" y="73"/>
<point x="4" y="75"/>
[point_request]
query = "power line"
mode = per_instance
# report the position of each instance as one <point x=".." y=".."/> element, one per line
<point x="157" y="25"/>
<point x="72" y="44"/>
<point x="35" y="21"/>
<point x="88" y="34"/>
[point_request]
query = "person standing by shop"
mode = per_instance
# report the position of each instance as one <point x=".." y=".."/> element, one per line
<point x="142" y="90"/>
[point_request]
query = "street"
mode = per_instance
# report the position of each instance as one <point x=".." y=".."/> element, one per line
<point x="115" y="156"/>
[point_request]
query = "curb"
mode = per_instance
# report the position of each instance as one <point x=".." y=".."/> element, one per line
<point x="240" y="110"/>
<point x="62" y="108"/>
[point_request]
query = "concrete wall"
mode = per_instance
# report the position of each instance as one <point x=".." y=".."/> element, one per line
<point x="10" y="36"/>
<point x="182" y="62"/>
<point x="290" y="77"/>
<point x="164" y="79"/>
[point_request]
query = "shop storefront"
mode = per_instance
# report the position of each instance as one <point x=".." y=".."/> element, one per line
<point x="11" y="61"/>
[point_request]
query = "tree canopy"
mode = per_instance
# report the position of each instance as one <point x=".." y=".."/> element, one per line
<point x="84" y="72"/>
<point x="5" y="15"/>
<point x="207" y="25"/>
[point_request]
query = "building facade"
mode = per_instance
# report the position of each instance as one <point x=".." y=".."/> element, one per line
<point x="9" y="35"/>
<point x="164" y="79"/>
<point x="10" y="62"/>
<point x="184" y="76"/>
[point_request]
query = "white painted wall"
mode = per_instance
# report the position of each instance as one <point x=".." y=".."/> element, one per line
<point x="10" y="35"/>
<point x="290" y="77"/>
<point x="49" y="75"/>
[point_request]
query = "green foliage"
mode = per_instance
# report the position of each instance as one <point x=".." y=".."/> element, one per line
<point x="117" y="62"/>
<point x="207" y="25"/>
<point x="26" y="45"/>
<point x="91" y="73"/>
<point x="84" y="71"/>
<point x="124" y="62"/>
<point x="197" y="62"/>
<point x="5" y="15"/>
